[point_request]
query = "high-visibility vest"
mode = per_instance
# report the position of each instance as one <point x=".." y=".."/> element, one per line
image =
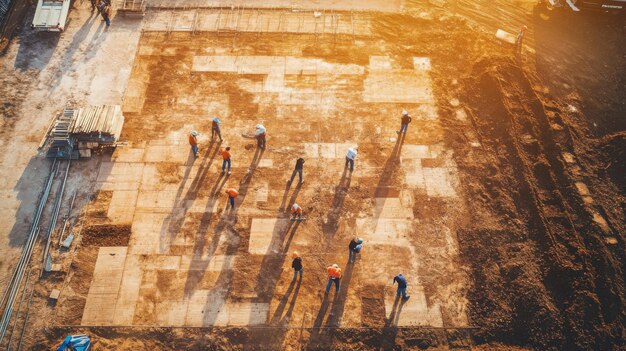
<point x="232" y="192"/>
<point x="333" y="272"/>
<point x="225" y="154"/>
<point x="296" y="210"/>
<point x="193" y="140"/>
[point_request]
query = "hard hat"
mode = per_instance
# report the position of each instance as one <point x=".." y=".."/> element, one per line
<point x="404" y="113"/>
<point x="295" y="206"/>
<point x="295" y="254"/>
<point x="259" y="126"/>
<point x="194" y="133"/>
<point x="359" y="240"/>
<point x="335" y="265"/>
<point x="215" y="119"/>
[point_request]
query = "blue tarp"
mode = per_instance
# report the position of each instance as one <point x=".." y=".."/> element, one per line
<point x="75" y="343"/>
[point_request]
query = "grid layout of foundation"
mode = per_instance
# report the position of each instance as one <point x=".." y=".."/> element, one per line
<point x="191" y="261"/>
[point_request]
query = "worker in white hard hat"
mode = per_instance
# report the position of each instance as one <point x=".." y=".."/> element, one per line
<point x="193" y="141"/>
<point x="404" y="122"/>
<point x="259" y="134"/>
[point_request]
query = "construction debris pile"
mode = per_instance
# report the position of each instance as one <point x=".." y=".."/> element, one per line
<point x="76" y="132"/>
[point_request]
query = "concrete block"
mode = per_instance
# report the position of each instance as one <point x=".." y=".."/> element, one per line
<point x="421" y="63"/>
<point x="379" y="63"/>
<point x="413" y="312"/>
<point x="438" y="182"/>
<point x="103" y="292"/>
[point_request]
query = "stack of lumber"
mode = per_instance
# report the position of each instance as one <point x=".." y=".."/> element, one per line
<point x="98" y="124"/>
<point x="61" y="145"/>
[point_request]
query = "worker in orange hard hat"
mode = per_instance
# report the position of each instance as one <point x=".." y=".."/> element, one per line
<point x="296" y="211"/>
<point x="296" y="264"/>
<point x="232" y="194"/>
<point x="334" y="276"/>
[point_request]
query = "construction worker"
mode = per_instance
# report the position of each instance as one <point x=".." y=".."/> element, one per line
<point x="355" y="246"/>
<point x="193" y="141"/>
<point x="350" y="157"/>
<point x="225" y="152"/>
<point x="404" y="122"/>
<point x="215" y="129"/>
<point x="334" y="276"/>
<point x="232" y="194"/>
<point x="296" y="264"/>
<point x="296" y="212"/>
<point x="298" y="170"/>
<point x="259" y="134"/>
<point x="106" y="13"/>
<point x="520" y="37"/>
<point x="401" y="286"/>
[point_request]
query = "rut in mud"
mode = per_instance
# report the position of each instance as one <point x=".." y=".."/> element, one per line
<point x="543" y="274"/>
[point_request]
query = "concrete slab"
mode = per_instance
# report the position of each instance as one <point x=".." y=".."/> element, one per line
<point x="413" y="173"/>
<point x="148" y="233"/>
<point x="391" y="208"/>
<point x="122" y="206"/>
<point x="262" y="233"/>
<point x="169" y="153"/>
<point x="385" y="231"/>
<point x="217" y="263"/>
<point x="124" y="154"/>
<point x="129" y="291"/>
<point x="104" y="288"/>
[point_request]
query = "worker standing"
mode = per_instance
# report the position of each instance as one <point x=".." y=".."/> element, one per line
<point x="355" y="246"/>
<point x="520" y="37"/>
<point x="296" y="212"/>
<point x="334" y="276"/>
<point x="296" y="264"/>
<point x="260" y="135"/>
<point x="216" y="129"/>
<point x="401" y="286"/>
<point x="225" y="159"/>
<point x="350" y="157"/>
<point x="232" y="194"/>
<point x="404" y="122"/>
<point x="106" y="13"/>
<point x="298" y="169"/>
<point x="193" y="141"/>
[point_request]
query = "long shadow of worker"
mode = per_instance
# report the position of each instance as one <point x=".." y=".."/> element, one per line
<point x="286" y="205"/>
<point x="324" y="335"/>
<point x="174" y="221"/>
<point x="217" y="295"/>
<point x="390" y="330"/>
<point x="341" y="191"/>
<point x="278" y="318"/>
<point x="391" y="167"/>
<point x="273" y="260"/>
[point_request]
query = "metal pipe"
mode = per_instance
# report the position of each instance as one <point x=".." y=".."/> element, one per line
<point x="9" y="295"/>
<point x="55" y="215"/>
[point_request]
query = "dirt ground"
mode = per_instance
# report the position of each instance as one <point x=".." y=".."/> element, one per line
<point x="523" y="249"/>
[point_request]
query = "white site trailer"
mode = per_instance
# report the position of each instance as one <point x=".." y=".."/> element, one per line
<point x="51" y="15"/>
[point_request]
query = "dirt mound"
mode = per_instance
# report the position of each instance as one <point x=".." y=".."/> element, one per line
<point x="540" y="270"/>
<point x="106" y="235"/>
<point x="614" y="147"/>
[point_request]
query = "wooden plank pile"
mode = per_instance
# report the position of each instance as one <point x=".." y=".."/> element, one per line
<point x="89" y="128"/>
<point x="98" y="124"/>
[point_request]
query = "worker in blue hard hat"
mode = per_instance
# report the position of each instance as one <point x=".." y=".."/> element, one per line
<point x="355" y="246"/>
<point x="216" y="129"/>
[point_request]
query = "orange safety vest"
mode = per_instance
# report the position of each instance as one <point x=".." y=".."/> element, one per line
<point x="334" y="272"/>
<point x="193" y="140"/>
<point x="225" y="154"/>
<point x="296" y="210"/>
<point x="232" y="192"/>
